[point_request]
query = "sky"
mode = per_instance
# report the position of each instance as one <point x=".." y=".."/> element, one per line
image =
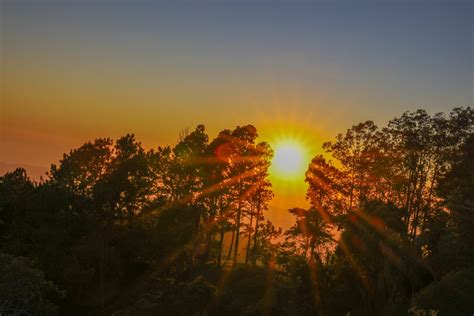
<point x="73" y="70"/>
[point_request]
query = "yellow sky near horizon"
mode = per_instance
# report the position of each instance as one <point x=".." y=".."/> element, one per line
<point x="36" y="160"/>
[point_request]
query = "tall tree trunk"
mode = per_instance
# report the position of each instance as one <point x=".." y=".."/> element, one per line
<point x="237" y="226"/>
<point x="208" y="244"/>
<point x="430" y="198"/>
<point x="209" y="228"/>
<point x="102" y="292"/>
<point x="221" y="233"/>
<point x="231" y="246"/>
<point x="311" y="249"/>
<point x="221" y="244"/>
<point x="255" y="235"/>
<point x="237" y="236"/>
<point x="417" y="204"/>
<point x="248" y="241"/>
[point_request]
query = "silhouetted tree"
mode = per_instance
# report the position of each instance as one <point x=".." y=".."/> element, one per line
<point x="126" y="230"/>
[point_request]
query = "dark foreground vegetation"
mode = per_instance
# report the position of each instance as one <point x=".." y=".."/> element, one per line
<point x="115" y="229"/>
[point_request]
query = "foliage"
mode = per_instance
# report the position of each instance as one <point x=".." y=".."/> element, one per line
<point x="452" y="295"/>
<point x="181" y="230"/>
<point x="24" y="289"/>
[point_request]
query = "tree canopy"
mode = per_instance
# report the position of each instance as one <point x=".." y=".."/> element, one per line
<point x="118" y="229"/>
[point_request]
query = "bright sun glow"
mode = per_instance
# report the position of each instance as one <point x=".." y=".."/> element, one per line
<point x="292" y="153"/>
<point x="289" y="161"/>
<point x="288" y="158"/>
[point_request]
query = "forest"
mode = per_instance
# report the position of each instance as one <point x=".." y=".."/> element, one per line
<point x="118" y="229"/>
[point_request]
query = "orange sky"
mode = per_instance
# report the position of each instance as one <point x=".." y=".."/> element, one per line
<point x="72" y="71"/>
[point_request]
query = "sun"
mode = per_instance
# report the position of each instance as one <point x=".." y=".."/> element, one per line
<point x="294" y="145"/>
<point x="290" y="160"/>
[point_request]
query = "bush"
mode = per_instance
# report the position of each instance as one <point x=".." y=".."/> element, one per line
<point x="24" y="289"/>
<point x="452" y="295"/>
